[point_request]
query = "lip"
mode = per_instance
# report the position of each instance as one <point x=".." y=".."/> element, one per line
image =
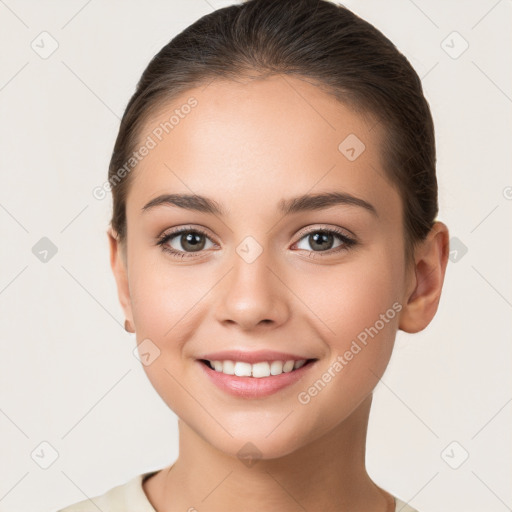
<point x="252" y="387"/>
<point x="252" y="357"/>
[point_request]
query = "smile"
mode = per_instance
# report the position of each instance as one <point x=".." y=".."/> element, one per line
<point x="257" y="380"/>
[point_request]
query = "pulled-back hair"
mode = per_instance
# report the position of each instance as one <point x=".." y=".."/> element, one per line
<point x="313" y="39"/>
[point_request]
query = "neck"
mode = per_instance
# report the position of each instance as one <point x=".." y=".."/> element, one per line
<point x="327" y="474"/>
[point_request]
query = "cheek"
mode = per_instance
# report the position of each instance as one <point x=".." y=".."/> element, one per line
<point x="356" y="317"/>
<point x="162" y="294"/>
<point x="356" y="309"/>
<point x="348" y="298"/>
<point x="163" y="300"/>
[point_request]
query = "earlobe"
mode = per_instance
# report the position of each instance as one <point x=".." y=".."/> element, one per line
<point x="119" y="269"/>
<point x="431" y="259"/>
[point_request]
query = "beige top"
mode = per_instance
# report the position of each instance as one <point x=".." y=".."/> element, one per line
<point x="130" y="497"/>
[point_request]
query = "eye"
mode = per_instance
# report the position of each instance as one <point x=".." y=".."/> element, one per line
<point x="323" y="240"/>
<point x="184" y="242"/>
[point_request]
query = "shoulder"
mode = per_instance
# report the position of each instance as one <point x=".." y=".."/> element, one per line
<point x="130" y="497"/>
<point x="126" y="497"/>
<point x="401" y="506"/>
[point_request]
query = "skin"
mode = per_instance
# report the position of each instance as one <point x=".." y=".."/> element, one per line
<point x="247" y="145"/>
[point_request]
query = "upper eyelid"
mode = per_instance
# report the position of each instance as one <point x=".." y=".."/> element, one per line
<point x="346" y="232"/>
<point x="185" y="229"/>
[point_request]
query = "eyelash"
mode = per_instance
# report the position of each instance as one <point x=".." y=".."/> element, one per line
<point x="347" y="241"/>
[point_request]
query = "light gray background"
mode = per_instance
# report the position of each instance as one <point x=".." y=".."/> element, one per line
<point x="68" y="376"/>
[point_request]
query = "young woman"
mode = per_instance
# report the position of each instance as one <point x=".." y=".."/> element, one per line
<point x="274" y="225"/>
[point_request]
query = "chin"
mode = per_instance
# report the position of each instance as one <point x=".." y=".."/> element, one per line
<point x="253" y="448"/>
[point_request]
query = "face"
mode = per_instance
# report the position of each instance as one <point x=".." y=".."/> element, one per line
<point x="320" y="280"/>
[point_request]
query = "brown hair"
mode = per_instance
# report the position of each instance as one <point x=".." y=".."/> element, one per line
<point x="313" y="39"/>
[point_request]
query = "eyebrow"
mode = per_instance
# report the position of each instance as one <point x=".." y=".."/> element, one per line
<point x="286" y="206"/>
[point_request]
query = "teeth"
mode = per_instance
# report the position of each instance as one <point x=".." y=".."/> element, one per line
<point x="260" y="370"/>
<point x="276" y="367"/>
<point x="288" y="366"/>
<point x="299" y="364"/>
<point x="227" y="367"/>
<point x="257" y="370"/>
<point x="217" y="366"/>
<point x="242" y="369"/>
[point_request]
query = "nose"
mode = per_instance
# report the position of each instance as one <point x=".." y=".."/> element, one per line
<point x="253" y="295"/>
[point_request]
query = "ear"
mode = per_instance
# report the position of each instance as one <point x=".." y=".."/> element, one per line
<point x="118" y="263"/>
<point x="426" y="281"/>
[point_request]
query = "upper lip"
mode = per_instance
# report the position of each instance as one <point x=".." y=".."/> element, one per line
<point x="252" y="357"/>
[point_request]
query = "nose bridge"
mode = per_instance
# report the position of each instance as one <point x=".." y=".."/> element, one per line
<point x="252" y="293"/>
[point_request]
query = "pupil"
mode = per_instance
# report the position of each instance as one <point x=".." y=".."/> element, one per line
<point x="319" y="240"/>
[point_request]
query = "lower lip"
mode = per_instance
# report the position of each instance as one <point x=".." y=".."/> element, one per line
<point x="253" y="387"/>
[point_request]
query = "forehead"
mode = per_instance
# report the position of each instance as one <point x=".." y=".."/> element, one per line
<point x="262" y="139"/>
